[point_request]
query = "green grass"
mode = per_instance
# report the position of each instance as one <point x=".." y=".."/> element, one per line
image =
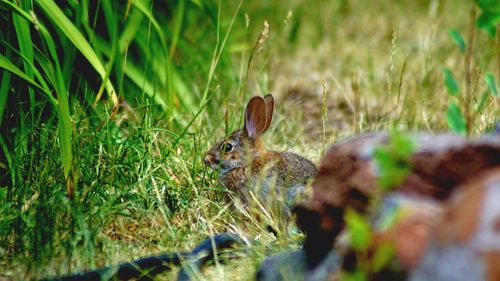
<point x="114" y="104"/>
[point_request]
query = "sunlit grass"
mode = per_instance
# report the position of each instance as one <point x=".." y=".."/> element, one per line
<point x="141" y="187"/>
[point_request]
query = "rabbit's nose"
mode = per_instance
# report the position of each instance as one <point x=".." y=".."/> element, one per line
<point x="209" y="159"/>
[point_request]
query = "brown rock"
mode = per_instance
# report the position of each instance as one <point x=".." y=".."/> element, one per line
<point x="347" y="178"/>
<point x="466" y="240"/>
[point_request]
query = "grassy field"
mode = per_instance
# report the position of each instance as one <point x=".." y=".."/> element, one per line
<point x="107" y="108"/>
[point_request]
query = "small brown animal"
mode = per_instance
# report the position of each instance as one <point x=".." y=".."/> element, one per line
<point x="244" y="164"/>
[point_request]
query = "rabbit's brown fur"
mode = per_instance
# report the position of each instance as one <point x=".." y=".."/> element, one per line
<point x="245" y="164"/>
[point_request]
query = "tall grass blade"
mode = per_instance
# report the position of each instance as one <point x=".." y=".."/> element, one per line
<point x="65" y="127"/>
<point x="6" y="64"/>
<point x="4" y="91"/>
<point x="44" y="65"/>
<point x="110" y="17"/>
<point x="63" y="112"/>
<point x="60" y="20"/>
<point x="168" y="67"/>
<point x="23" y="35"/>
<point x="135" y="75"/>
<point x="490" y="81"/>
<point x="178" y="19"/>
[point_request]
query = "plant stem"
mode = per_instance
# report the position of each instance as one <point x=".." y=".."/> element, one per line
<point x="468" y="74"/>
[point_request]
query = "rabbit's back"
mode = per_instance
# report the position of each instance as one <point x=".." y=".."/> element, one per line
<point x="296" y="172"/>
<point x="281" y="174"/>
<point x="298" y="169"/>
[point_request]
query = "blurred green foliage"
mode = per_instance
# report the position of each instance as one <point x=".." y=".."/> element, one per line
<point x="455" y="119"/>
<point x="490" y="15"/>
<point x="393" y="160"/>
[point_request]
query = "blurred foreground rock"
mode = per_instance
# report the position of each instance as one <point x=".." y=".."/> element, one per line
<point x="449" y="206"/>
<point x="465" y="242"/>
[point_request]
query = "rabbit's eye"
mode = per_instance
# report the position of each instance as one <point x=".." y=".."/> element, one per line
<point x="227" y="147"/>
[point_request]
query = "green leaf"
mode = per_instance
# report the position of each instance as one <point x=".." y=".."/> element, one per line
<point x="488" y="5"/>
<point x="456" y="120"/>
<point x="490" y="15"/>
<point x="488" y="22"/>
<point x="450" y="82"/>
<point x="401" y="145"/>
<point x="357" y="275"/>
<point x="359" y="229"/>
<point x="383" y="255"/>
<point x="455" y="36"/>
<point x="393" y="160"/>
<point x="490" y="81"/>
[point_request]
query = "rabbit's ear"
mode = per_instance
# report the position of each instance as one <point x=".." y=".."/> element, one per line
<point x="255" y="117"/>
<point x="269" y="99"/>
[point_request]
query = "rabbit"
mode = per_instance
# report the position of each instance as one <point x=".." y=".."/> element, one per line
<point x="244" y="164"/>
